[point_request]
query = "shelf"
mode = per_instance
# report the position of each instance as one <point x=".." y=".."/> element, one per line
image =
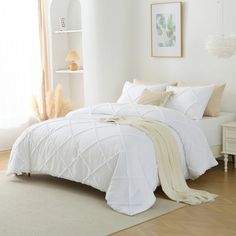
<point x="66" y="71"/>
<point x="67" y="31"/>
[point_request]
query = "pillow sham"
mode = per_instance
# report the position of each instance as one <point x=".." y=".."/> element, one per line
<point x="154" y="98"/>
<point x="213" y="106"/>
<point x="149" y="82"/>
<point x="192" y="101"/>
<point x="132" y="92"/>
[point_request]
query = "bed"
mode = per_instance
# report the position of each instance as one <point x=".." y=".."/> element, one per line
<point x="211" y="126"/>
<point x="116" y="159"/>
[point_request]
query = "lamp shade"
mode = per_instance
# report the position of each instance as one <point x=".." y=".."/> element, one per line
<point x="221" y="46"/>
<point x="72" y="56"/>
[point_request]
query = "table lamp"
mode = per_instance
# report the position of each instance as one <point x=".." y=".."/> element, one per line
<point x="72" y="57"/>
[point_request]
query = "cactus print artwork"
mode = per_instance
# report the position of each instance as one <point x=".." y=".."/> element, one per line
<point x="166" y="30"/>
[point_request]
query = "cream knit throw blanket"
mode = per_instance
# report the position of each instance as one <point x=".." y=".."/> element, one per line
<point x="168" y="159"/>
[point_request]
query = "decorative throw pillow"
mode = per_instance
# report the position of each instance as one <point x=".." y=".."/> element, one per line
<point x="192" y="101"/>
<point x="213" y="106"/>
<point x="154" y="98"/>
<point x="132" y="92"/>
<point x="148" y="82"/>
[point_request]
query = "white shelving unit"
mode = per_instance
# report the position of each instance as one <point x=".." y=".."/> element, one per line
<point x="68" y="31"/>
<point x="62" y="41"/>
<point x="66" y="71"/>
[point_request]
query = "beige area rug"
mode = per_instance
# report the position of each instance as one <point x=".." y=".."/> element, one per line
<point x="47" y="206"/>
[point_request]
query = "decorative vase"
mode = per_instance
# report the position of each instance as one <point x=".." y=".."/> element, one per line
<point x="73" y="66"/>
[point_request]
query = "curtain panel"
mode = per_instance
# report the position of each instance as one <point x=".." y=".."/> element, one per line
<point x="24" y="65"/>
<point x="44" y="55"/>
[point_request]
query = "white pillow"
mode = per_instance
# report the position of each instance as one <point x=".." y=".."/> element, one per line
<point x="132" y="92"/>
<point x="192" y="101"/>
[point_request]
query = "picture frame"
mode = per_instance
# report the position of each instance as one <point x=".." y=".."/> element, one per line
<point x="166" y="29"/>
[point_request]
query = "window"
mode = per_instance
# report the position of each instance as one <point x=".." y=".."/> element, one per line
<point x="20" y="66"/>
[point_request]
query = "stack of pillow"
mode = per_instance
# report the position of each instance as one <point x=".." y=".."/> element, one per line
<point x="193" y="101"/>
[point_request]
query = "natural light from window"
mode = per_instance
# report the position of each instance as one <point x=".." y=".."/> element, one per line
<point x="19" y="60"/>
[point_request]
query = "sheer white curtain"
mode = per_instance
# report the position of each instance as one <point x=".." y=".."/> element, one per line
<point x="20" y="66"/>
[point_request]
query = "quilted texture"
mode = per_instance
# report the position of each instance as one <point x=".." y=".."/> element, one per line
<point x="132" y="92"/>
<point x="213" y="106"/>
<point x="192" y="101"/>
<point x="117" y="159"/>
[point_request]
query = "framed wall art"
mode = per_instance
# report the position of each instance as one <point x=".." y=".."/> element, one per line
<point x="166" y="29"/>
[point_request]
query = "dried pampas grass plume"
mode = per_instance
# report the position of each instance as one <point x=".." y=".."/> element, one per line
<point x="62" y="106"/>
<point x="36" y="108"/>
<point x="50" y="109"/>
<point x="56" y="105"/>
<point x="59" y="97"/>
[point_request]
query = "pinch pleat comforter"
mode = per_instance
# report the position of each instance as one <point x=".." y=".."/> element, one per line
<point x="117" y="159"/>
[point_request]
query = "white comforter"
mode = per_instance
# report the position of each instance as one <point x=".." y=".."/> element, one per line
<point x="117" y="159"/>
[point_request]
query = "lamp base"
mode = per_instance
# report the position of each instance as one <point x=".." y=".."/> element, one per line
<point x="73" y="66"/>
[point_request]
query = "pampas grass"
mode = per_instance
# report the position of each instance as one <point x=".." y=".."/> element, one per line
<point x="36" y="108"/>
<point x="50" y="108"/>
<point x="56" y="105"/>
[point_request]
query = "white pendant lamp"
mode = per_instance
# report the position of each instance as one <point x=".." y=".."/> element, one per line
<point x="221" y="45"/>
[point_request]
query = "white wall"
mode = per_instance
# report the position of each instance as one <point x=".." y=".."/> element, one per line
<point x="109" y="46"/>
<point x="61" y="44"/>
<point x="117" y="43"/>
<point x="196" y="66"/>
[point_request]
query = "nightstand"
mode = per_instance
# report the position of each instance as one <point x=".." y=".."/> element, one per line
<point x="229" y="142"/>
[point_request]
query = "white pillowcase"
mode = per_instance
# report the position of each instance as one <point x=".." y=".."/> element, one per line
<point x="132" y="92"/>
<point x="192" y="101"/>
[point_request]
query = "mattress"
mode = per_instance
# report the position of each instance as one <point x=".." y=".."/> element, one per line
<point x="211" y="127"/>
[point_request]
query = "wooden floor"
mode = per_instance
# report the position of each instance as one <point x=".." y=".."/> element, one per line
<point x="213" y="219"/>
